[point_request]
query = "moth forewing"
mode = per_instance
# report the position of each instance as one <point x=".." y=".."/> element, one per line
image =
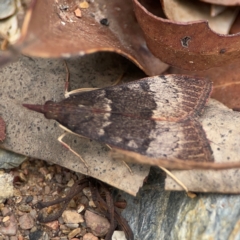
<point x="153" y="116"/>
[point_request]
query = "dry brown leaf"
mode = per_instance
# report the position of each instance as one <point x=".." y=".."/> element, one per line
<point x="236" y="25"/>
<point x="226" y="84"/>
<point x="187" y="11"/>
<point x="191" y="46"/>
<point x="223" y="2"/>
<point x="104" y="26"/>
<point x="2" y="130"/>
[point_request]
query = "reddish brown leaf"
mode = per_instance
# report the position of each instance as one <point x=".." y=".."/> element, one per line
<point x="2" y="129"/>
<point x="236" y="25"/>
<point x="223" y="2"/>
<point x="110" y="28"/>
<point x="191" y="46"/>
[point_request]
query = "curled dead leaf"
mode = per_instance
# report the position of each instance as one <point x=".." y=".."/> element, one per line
<point x="60" y="33"/>
<point x="223" y="2"/>
<point x="191" y="46"/>
<point x="2" y="130"/>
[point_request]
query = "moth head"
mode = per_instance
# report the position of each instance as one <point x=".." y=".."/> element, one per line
<point x="50" y="109"/>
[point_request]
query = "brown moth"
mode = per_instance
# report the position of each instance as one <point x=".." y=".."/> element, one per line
<point x="153" y="117"/>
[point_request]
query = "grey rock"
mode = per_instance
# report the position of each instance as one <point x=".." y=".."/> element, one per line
<point x="38" y="235"/>
<point x="10" y="159"/>
<point x="72" y="225"/>
<point x="161" y="215"/>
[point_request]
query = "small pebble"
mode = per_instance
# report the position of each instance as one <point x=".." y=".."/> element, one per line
<point x="72" y="225"/>
<point x="29" y="199"/>
<point x="80" y="208"/>
<point x="87" y="192"/>
<point x="118" y="235"/>
<point x="98" y="224"/>
<point x="72" y="204"/>
<point x="26" y="221"/>
<point x="11" y="229"/>
<point x="7" y="222"/>
<point x="48" y="176"/>
<point x="60" y="220"/>
<point x="84" y="4"/>
<point x="43" y="171"/>
<point x="5" y="211"/>
<point x="53" y="225"/>
<point x="70" y="183"/>
<point x="92" y="204"/>
<point x="38" y="235"/>
<point x="47" y="190"/>
<point x="89" y="236"/>
<point x="20" y="237"/>
<point x="24" y="208"/>
<point x="63" y="227"/>
<point x="33" y="213"/>
<point x="63" y="238"/>
<point x="5" y="219"/>
<point x="74" y="232"/>
<point x="72" y="217"/>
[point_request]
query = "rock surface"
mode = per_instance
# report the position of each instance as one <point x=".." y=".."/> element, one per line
<point x="159" y="215"/>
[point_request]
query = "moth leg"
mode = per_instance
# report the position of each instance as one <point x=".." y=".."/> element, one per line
<point x="67" y="93"/>
<point x="190" y="194"/>
<point x="124" y="163"/>
<point x="69" y="131"/>
<point x="70" y="149"/>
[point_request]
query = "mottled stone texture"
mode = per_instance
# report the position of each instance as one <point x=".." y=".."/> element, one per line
<point x="162" y="215"/>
